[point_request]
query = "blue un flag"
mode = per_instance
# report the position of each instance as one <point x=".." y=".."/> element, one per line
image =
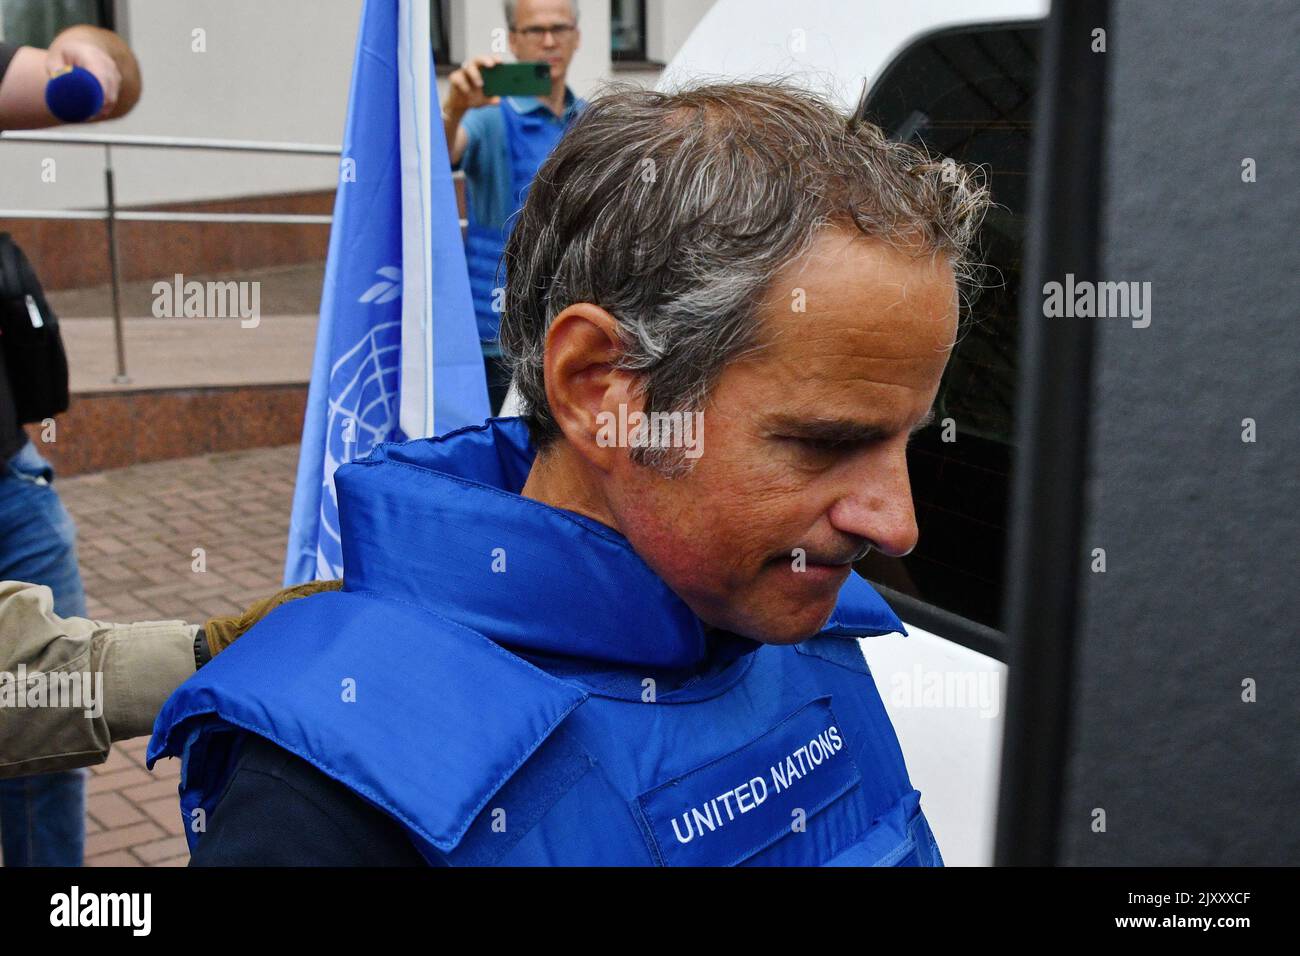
<point x="397" y="353"/>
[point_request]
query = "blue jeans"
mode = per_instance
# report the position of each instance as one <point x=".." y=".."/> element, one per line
<point x="42" y="818"/>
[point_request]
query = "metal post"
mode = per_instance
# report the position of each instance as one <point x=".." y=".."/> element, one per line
<point x="1053" y="422"/>
<point x="119" y="335"/>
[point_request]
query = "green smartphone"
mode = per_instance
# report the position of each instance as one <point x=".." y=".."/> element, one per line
<point x="517" y="79"/>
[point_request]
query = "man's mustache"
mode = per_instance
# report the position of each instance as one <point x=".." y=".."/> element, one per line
<point x="829" y="556"/>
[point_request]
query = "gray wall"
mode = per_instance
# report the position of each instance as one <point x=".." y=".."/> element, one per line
<point x="1199" y="528"/>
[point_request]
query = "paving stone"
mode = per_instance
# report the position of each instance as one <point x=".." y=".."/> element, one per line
<point x="134" y="746"/>
<point x="112" y="810"/>
<point x="169" y="848"/>
<point x="166" y="813"/>
<point x="169" y="768"/>
<point x="103" y="783"/>
<point x="122" y="838"/>
<point x="117" y="760"/>
<point x="137" y="528"/>
<point x="115" y="858"/>
<point x="158" y="790"/>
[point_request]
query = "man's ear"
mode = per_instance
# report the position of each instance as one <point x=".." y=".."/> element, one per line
<point x="583" y="387"/>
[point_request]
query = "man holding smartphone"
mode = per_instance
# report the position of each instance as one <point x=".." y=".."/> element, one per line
<point x="500" y="141"/>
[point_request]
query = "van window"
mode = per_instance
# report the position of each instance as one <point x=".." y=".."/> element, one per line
<point x="37" y="22"/>
<point x="966" y="93"/>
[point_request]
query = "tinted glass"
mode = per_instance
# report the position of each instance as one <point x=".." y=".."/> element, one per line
<point x="967" y="94"/>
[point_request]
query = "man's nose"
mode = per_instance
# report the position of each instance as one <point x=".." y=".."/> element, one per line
<point x="878" y="506"/>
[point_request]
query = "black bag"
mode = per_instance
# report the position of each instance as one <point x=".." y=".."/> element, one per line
<point x="29" y="338"/>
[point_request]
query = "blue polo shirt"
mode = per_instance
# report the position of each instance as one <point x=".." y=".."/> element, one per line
<point x="486" y="160"/>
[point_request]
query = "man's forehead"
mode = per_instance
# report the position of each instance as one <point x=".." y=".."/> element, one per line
<point x="849" y="314"/>
<point x="526" y="11"/>
<point x="856" y="331"/>
<point x="849" y="284"/>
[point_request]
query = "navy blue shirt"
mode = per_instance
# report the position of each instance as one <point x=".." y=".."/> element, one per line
<point x="279" y="810"/>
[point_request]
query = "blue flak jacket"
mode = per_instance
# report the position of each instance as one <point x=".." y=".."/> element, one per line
<point x="513" y="685"/>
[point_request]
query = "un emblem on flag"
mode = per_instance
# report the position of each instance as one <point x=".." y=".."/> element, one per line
<point x="364" y="403"/>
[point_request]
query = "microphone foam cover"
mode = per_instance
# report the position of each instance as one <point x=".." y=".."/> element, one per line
<point x="74" y="96"/>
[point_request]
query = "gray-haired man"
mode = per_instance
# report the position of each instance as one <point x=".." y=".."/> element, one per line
<point x="579" y="638"/>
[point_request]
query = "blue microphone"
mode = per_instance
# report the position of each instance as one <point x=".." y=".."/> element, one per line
<point x="74" y="95"/>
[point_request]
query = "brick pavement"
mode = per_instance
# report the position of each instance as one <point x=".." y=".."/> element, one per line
<point x="137" y="531"/>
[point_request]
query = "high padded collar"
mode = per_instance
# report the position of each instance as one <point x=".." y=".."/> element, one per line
<point x="441" y="523"/>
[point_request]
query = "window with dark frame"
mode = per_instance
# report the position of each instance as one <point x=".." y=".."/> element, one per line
<point x="439" y="32"/>
<point x="627" y="30"/>
<point x="37" y="22"/>
<point x="966" y="93"/>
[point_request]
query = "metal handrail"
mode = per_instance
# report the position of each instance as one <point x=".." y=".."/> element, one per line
<point x="111" y="216"/>
<point x="262" y="217"/>
<point x="170" y="142"/>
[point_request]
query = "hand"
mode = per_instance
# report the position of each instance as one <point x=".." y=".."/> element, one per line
<point x="71" y="49"/>
<point x="221" y="632"/>
<point x="465" y="85"/>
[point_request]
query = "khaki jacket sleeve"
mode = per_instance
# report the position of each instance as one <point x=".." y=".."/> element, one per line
<point x="97" y="682"/>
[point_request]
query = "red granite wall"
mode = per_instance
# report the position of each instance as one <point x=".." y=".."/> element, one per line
<point x="104" y="430"/>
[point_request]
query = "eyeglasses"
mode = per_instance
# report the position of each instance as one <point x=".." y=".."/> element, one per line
<point x="561" y="31"/>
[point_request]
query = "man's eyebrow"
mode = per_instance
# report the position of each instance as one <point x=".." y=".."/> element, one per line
<point x="838" y="430"/>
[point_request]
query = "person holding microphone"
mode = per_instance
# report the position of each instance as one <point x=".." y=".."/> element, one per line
<point x="500" y="142"/>
<point x="26" y="74"/>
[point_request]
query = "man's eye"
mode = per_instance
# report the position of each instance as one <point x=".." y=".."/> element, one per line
<point x="820" y="445"/>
